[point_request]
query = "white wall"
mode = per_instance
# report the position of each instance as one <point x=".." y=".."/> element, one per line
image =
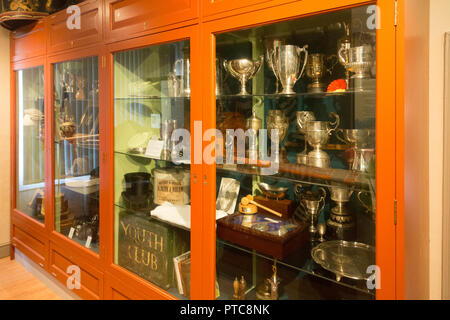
<point x="416" y="149"/>
<point x="4" y="136"/>
<point x="439" y="25"/>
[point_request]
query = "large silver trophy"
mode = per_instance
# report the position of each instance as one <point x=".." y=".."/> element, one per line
<point x="358" y="60"/>
<point x="277" y="121"/>
<point x="287" y="64"/>
<point x="303" y="117"/>
<point x="360" y="140"/>
<point x="341" y="222"/>
<point x="243" y="70"/>
<point x="271" y="44"/>
<point x="318" y="134"/>
<point x="312" y="204"/>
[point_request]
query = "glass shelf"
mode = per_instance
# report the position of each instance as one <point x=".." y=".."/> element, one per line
<point x="302" y="174"/>
<point x="322" y="95"/>
<point x="301" y="261"/>
<point x="144" y="156"/>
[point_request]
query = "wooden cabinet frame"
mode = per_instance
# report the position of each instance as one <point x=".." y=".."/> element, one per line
<point x="209" y="18"/>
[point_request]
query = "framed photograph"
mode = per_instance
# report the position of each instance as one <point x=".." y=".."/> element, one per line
<point x="228" y="195"/>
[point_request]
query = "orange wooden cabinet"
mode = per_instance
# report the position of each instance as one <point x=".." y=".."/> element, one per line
<point x="125" y="19"/>
<point x="110" y="27"/>
<point x="30" y="240"/>
<point x="64" y="263"/>
<point x="89" y="32"/>
<point x="29" y="41"/>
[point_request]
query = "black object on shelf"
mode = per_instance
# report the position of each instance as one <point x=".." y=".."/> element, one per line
<point x="138" y="194"/>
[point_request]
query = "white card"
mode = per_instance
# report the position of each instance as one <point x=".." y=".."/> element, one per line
<point x="155" y="120"/>
<point x="88" y="242"/>
<point x="154" y="149"/>
<point x="72" y="230"/>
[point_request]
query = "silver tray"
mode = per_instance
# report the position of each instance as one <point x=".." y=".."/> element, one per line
<point x="345" y="259"/>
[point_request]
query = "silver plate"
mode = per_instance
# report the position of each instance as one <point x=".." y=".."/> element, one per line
<point x="345" y="259"/>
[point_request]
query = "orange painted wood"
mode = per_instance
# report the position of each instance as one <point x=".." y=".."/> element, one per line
<point x="125" y="19"/>
<point x="29" y="41"/>
<point x="91" y="278"/>
<point x="33" y="244"/>
<point x="116" y="289"/>
<point x="60" y="37"/>
<point x="400" y="153"/>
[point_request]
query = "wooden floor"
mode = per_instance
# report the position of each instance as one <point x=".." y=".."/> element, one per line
<point x="16" y="283"/>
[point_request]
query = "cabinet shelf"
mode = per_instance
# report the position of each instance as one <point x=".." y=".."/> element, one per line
<point x="302" y="174"/>
<point x="322" y="95"/>
<point x="301" y="262"/>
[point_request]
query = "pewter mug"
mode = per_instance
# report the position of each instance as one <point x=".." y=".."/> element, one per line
<point x="243" y="70"/>
<point x="287" y="62"/>
<point x="358" y="60"/>
<point x="318" y="134"/>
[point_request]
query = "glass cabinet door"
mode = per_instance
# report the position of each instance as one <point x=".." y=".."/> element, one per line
<point x="296" y="164"/>
<point x="77" y="162"/>
<point x="152" y="164"/>
<point x="30" y="154"/>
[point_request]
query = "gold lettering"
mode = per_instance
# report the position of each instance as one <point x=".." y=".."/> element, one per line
<point x="147" y="262"/>
<point x="136" y="254"/>
<point x="160" y="243"/>
<point x="125" y="228"/>
<point x="154" y="263"/>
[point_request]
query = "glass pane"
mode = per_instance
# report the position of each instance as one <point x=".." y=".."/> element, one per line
<point x="77" y="162"/>
<point x="296" y="162"/>
<point x="152" y="172"/>
<point x="30" y="172"/>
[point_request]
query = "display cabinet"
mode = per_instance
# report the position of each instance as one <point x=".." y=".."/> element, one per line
<point x="215" y="150"/>
<point x="152" y="193"/>
<point x="300" y="153"/>
<point x="76" y="152"/>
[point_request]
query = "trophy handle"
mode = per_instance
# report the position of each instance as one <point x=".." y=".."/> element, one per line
<point x="342" y="139"/>
<point x="334" y="125"/>
<point x="341" y="55"/>
<point x="332" y="65"/>
<point x="300" y="50"/>
<point x="322" y="199"/>
<point x="364" y="204"/>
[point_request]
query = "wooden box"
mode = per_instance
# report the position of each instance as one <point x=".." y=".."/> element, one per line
<point x="277" y="239"/>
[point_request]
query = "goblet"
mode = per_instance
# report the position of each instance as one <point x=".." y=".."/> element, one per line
<point x="243" y="70"/>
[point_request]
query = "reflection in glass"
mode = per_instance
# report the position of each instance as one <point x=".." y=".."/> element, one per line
<point x="152" y="193"/>
<point x="306" y="228"/>
<point x="77" y="165"/>
<point x="30" y="132"/>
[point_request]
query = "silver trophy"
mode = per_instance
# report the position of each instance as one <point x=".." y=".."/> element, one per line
<point x="255" y="124"/>
<point x="312" y="204"/>
<point x="318" y="134"/>
<point x="360" y="140"/>
<point x="243" y="70"/>
<point x="358" y="60"/>
<point x="341" y="222"/>
<point x="167" y="128"/>
<point x="319" y="64"/>
<point x="287" y="62"/>
<point x="271" y="44"/>
<point x="277" y="121"/>
<point x="303" y="117"/>
<point x="182" y="68"/>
